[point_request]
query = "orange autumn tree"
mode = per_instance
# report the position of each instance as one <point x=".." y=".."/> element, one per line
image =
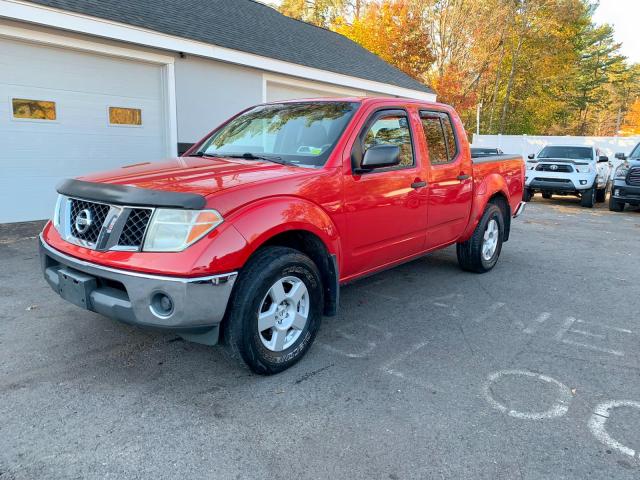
<point x="631" y="125"/>
<point x="393" y="31"/>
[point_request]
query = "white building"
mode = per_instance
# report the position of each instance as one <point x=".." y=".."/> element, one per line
<point x="89" y="85"/>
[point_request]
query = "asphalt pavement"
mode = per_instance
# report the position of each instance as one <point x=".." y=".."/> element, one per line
<point x="531" y="371"/>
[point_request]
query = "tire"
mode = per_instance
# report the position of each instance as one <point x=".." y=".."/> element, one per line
<point x="281" y="345"/>
<point x="615" y="205"/>
<point x="588" y="197"/>
<point x="470" y="253"/>
<point x="601" y="195"/>
<point x="527" y="195"/>
<point x="548" y="196"/>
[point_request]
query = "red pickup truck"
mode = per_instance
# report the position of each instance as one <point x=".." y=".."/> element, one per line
<point x="247" y="238"/>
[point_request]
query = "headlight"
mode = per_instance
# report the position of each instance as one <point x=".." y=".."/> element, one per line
<point x="621" y="171"/>
<point x="531" y="165"/>
<point x="584" y="169"/>
<point x="173" y="230"/>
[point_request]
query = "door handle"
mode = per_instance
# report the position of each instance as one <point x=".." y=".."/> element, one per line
<point x="463" y="177"/>
<point x="419" y="184"/>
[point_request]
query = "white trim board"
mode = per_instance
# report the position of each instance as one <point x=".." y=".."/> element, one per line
<point x="338" y="91"/>
<point x="38" y="14"/>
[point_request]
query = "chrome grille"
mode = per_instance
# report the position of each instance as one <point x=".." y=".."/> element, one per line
<point x="560" y="168"/>
<point x="135" y="227"/>
<point x="633" y="177"/>
<point x="102" y="226"/>
<point x="93" y="213"/>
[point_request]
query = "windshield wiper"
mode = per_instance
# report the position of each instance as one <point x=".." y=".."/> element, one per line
<point x="200" y="154"/>
<point x="253" y="156"/>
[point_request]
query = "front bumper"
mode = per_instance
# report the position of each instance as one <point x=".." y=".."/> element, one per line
<point x="625" y="193"/>
<point x="553" y="185"/>
<point x="561" y="182"/>
<point x="198" y="304"/>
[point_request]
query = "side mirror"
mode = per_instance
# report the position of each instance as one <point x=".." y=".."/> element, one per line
<point x="380" y="156"/>
<point x="531" y="156"/>
<point x="603" y="158"/>
<point x="621" y="156"/>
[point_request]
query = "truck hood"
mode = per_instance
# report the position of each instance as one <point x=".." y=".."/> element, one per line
<point x="564" y="160"/>
<point x="202" y="176"/>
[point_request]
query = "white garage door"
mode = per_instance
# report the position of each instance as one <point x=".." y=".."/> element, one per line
<point x="65" y="113"/>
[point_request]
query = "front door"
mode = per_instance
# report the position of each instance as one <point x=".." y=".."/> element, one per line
<point x="451" y="187"/>
<point x="386" y="208"/>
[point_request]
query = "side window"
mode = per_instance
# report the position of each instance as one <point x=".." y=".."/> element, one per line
<point x="452" y="146"/>
<point x="441" y="139"/>
<point x="391" y="129"/>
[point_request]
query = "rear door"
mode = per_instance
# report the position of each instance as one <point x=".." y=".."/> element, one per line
<point x="451" y="184"/>
<point x="386" y="208"/>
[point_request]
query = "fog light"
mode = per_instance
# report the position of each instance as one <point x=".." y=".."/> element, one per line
<point x="583" y="182"/>
<point x="161" y="305"/>
<point x="616" y="193"/>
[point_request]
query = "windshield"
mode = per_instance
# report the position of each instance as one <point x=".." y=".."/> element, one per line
<point x="573" y="153"/>
<point x="636" y="152"/>
<point x="301" y="133"/>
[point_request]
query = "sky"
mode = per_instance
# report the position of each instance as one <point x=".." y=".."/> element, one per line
<point x="624" y="16"/>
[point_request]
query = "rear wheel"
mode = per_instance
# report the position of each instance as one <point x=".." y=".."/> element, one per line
<point x="601" y="195"/>
<point x="615" y="205"/>
<point x="546" y="195"/>
<point x="275" y="311"/>
<point x="481" y="252"/>
<point x="588" y="197"/>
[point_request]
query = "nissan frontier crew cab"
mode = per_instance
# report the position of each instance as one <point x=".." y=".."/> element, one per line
<point x="569" y="170"/>
<point x="246" y="239"/>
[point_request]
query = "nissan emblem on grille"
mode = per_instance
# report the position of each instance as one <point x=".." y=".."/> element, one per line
<point x="83" y="221"/>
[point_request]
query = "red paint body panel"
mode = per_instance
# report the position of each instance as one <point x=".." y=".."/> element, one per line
<point x="368" y="221"/>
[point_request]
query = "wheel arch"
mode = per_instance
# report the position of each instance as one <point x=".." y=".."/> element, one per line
<point x="492" y="189"/>
<point x="299" y="224"/>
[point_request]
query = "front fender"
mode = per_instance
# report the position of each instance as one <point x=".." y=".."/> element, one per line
<point x="483" y="192"/>
<point x="262" y="220"/>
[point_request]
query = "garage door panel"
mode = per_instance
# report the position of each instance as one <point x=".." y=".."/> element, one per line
<point x="38" y="154"/>
<point x="35" y="65"/>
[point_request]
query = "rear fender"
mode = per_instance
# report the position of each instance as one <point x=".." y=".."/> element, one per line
<point x="483" y="192"/>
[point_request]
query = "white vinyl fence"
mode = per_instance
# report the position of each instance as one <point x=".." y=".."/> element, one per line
<point x="525" y="144"/>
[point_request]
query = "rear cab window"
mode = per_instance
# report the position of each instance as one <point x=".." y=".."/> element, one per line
<point x="442" y="143"/>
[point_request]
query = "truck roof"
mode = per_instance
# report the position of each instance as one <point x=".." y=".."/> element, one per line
<point x="364" y="101"/>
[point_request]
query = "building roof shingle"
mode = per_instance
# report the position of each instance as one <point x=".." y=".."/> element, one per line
<point x="247" y="26"/>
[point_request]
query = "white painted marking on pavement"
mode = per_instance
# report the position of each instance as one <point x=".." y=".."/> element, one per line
<point x="490" y="311"/>
<point x="558" y="409"/>
<point x="403" y="356"/>
<point x="543" y="317"/>
<point x="369" y="346"/>
<point x="566" y="328"/>
<point x="598" y="420"/>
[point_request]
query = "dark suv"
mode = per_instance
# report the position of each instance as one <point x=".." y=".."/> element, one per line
<point x="626" y="181"/>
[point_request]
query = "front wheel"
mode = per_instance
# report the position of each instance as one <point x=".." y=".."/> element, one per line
<point x="480" y="253"/>
<point x="601" y="195"/>
<point x="527" y="195"/>
<point x="615" y="205"/>
<point x="546" y="195"/>
<point x="275" y="311"/>
<point x="588" y="197"/>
